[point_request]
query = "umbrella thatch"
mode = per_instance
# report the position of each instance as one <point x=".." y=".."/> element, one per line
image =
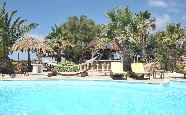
<point x="33" y="45"/>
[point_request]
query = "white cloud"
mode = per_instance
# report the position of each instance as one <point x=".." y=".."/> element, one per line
<point x="172" y="10"/>
<point x="157" y="3"/>
<point x="168" y="5"/>
<point x="183" y="18"/>
<point x="37" y="36"/>
<point x="162" y="21"/>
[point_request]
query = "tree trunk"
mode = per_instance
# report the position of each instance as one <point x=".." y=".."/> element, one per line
<point x="29" y="62"/>
<point x="127" y="56"/>
<point x="143" y="45"/>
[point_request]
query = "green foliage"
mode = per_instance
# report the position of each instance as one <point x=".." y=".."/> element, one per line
<point x="66" y="66"/>
<point x="102" y="42"/>
<point x="7" y="67"/>
<point x="74" y="30"/>
<point x="121" y="23"/>
<point x="161" y="41"/>
<point x="11" y="29"/>
<point x="73" y="35"/>
<point x="133" y="27"/>
<point x="179" y="69"/>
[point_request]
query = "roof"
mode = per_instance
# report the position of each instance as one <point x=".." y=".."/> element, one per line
<point x="93" y="43"/>
<point x="113" y="45"/>
<point x="32" y="44"/>
<point x="101" y="43"/>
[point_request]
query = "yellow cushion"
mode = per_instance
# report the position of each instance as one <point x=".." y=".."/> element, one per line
<point x="117" y="67"/>
<point x="137" y="68"/>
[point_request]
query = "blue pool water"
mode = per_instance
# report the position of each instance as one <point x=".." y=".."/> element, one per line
<point x="91" y="98"/>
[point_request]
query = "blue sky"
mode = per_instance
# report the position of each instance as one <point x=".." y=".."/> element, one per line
<point x="49" y="12"/>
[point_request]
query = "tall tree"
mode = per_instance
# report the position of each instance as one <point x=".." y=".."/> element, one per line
<point x="12" y="28"/>
<point x="123" y="25"/>
<point x="73" y="35"/>
<point x="131" y="28"/>
<point x="163" y="39"/>
<point x="145" y="25"/>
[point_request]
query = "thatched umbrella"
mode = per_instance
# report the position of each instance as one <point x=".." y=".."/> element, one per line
<point x="32" y="45"/>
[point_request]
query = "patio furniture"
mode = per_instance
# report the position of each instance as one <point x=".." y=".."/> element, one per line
<point x="37" y="68"/>
<point x="117" y="69"/>
<point x="138" y="70"/>
<point x="162" y="72"/>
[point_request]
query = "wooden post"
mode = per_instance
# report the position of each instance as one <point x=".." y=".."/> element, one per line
<point x="29" y="61"/>
<point x="108" y="67"/>
<point x="18" y="56"/>
<point x="102" y="67"/>
<point x="97" y="66"/>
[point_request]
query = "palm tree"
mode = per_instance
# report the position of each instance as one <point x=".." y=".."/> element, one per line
<point x="165" y="39"/>
<point x="145" y="24"/>
<point x="11" y="29"/>
<point x="121" y="23"/>
<point x="131" y="28"/>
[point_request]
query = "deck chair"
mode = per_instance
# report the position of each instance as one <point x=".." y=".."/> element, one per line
<point x="117" y="69"/>
<point x="138" y="70"/>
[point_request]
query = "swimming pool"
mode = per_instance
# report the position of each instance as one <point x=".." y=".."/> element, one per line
<point x="91" y="98"/>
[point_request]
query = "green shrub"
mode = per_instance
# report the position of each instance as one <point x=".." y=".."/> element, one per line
<point x="66" y="66"/>
<point x="179" y="69"/>
<point x="7" y="68"/>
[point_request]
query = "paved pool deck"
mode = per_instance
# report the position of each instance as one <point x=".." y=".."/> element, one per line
<point x="92" y="76"/>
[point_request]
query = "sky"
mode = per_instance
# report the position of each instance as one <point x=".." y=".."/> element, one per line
<point x="47" y="13"/>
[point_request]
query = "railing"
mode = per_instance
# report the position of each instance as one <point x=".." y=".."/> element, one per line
<point x="101" y="65"/>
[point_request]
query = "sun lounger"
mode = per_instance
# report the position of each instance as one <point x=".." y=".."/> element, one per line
<point x="117" y="69"/>
<point x="138" y="70"/>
